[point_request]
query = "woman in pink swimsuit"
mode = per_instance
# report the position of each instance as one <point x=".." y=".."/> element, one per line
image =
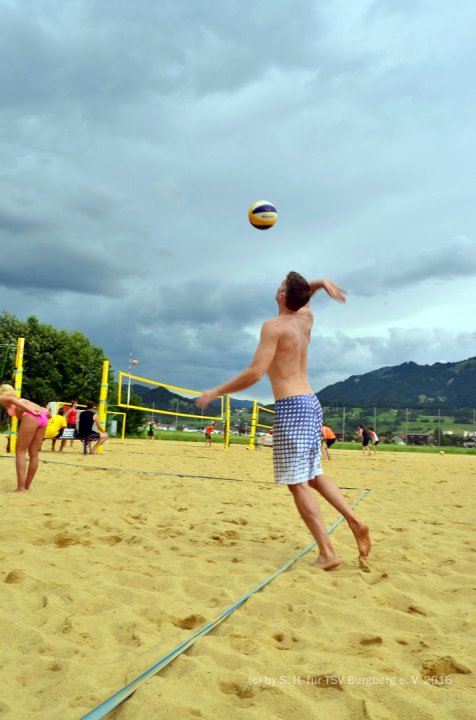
<point x="30" y="435"/>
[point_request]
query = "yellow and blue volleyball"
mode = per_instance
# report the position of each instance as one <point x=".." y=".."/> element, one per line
<point x="262" y="215"/>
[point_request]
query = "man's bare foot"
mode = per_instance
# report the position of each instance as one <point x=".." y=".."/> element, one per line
<point x="362" y="537"/>
<point x="20" y="489"/>
<point x="327" y="562"/>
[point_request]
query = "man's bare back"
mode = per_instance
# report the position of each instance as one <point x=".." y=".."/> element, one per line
<point x="288" y="369"/>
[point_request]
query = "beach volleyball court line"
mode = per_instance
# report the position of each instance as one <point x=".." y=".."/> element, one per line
<point x="158" y="472"/>
<point x="107" y="705"/>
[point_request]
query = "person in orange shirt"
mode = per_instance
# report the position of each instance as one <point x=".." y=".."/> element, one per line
<point x="329" y="439"/>
<point x="208" y="434"/>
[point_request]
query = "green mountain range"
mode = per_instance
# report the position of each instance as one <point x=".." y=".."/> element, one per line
<point x="442" y="385"/>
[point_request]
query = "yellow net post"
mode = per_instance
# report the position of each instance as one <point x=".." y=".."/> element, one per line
<point x="254" y="420"/>
<point x="103" y="398"/>
<point x="227" y="421"/>
<point x="18" y="385"/>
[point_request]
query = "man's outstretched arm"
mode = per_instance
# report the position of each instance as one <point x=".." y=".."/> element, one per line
<point x="263" y="358"/>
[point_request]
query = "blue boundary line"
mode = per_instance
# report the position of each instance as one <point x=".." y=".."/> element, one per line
<point x="107" y="705"/>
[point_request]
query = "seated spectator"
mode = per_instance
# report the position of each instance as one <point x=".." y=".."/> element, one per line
<point x="85" y="429"/>
<point x="54" y="428"/>
<point x="266" y="440"/>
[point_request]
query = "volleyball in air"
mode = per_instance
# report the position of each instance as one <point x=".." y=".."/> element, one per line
<point x="262" y="215"/>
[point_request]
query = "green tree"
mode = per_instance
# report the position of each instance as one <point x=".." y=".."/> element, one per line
<point x="57" y="364"/>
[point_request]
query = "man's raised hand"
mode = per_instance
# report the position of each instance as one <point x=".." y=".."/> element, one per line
<point x="335" y="292"/>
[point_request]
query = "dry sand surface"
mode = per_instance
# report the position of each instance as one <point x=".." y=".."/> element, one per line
<point x="106" y="570"/>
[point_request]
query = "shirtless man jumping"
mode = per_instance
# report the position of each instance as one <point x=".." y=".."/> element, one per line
<point x="282" y="354"/>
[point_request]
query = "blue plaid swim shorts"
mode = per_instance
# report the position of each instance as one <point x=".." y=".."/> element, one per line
<point x="297" y="439"/>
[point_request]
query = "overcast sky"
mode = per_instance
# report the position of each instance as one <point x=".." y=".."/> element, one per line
<point x="135" y="135"/>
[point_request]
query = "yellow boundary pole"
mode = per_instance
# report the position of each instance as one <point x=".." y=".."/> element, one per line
<point x="227" y="421"/>
<point x="103" y="397"/>
<point x="254" y="419"/>
<point x="18" y="386"/>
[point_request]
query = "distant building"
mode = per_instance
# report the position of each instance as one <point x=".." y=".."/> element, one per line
<point x="420" y="439"/>
<point x="397" y="440"/>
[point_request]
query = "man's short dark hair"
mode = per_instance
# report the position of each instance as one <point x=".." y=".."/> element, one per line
<point x="298" y="291"/>
<point x="90" y="404"/>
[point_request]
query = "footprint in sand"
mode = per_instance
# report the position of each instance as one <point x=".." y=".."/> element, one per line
<point x="414" y="610"/>
<point x="126" y="634"/>
<point x="15" y="576"/>
<point x="225" y="538"/>
<point x="241" y="691"/>
<point x="190" y="622"/>
<point x="377" y="640"/>
<point x="284" y="642"/>
<point x="381" y="577"/>
<point x="63" y="540"/>
<point x="435" y="669"/>
<point x="331" y="681"/>
<point x="364" y="566"/>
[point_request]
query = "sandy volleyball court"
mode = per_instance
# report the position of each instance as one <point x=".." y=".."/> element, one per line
<point x="106" y="570"/>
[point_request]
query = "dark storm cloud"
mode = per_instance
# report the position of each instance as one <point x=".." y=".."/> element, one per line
<point x="457" y="259"/>
<point x="112" y="52"/>
<point x="13" y="224"/>
<point x="54" y="269"/>
<point x="199" y="303"/>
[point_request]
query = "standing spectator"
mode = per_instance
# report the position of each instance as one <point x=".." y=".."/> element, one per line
<point x="208" y="434"/>
<point x="329" y="438"/>
<point x="150" y="430"/>
<point x="34" y="420"/>
<point x="71" y="416"/>
<point x="374" y="439"/>
<point x="366" y="438"/>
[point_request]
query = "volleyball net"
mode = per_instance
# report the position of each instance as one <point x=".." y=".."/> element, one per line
<point x="161" y="399"/>
<point x="7" y="360"/>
